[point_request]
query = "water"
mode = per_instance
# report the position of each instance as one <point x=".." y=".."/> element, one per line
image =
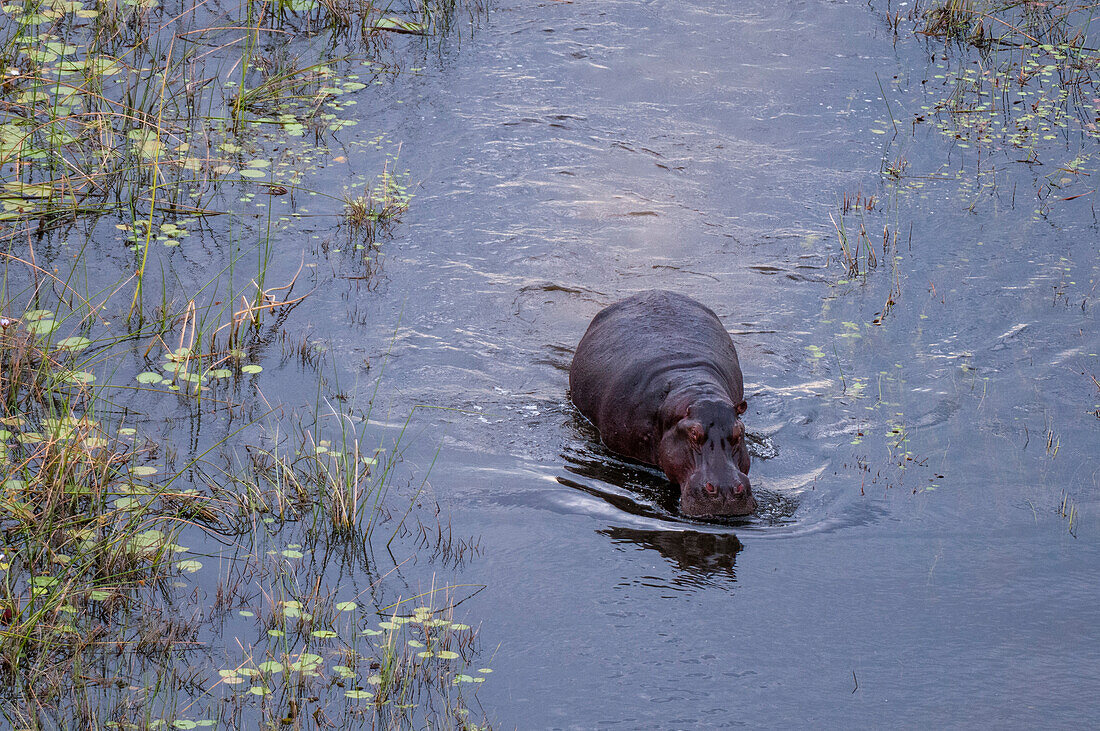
<point x="909" y="565"/>
<point x="913" y="562"/>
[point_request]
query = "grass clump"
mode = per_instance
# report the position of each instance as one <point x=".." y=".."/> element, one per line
<point x="960" y="20"/>
<point x="90" y="533"/>
<point x="378" y="207"/>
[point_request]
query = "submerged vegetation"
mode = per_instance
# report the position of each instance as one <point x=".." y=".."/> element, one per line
<point x="179" y="551"/>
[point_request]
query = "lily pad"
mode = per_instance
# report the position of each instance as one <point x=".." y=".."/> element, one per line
<point x="74" y="343"/>
<point x="76" y="377"/>
<point x="42" y="327"/>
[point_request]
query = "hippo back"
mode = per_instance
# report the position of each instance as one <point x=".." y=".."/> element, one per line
<point x="638" y="350"/>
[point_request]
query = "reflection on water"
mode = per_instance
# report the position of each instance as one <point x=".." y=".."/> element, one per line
<point x="698" y="557"/>
<point x="623" y="501"/>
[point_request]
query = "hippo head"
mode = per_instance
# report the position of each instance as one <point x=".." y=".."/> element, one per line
<point x="704" y="453"/>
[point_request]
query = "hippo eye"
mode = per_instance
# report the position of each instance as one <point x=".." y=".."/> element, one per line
<point x="695" y="433"/>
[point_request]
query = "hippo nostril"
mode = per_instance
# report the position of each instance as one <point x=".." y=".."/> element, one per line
<point x="738" y="489"/>
<point x="710" y="488"/>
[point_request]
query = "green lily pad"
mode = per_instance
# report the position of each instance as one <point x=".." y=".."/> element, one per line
<point x="74" y="343"/>
<point x="230" y="676"/>
<point x="397" y="25"/>
<point x="42" y="327"/>
<point x="77" y="377"/>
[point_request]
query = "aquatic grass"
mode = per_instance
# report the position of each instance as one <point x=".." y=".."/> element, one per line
<point x="118" y="120"/>
<point x="1026" y="96"/>
<point x="87" y="533"/>
<point x="403" y="667"/>
<point x="956" y="20"/>
<point x="1068" y="510"/>
<point x="115" y="494"/>
<point x="857" y="251"/>
<point x="379" y="206"/>
<point x="851" y="202"/>
<point x="95" y="519"/>
<point x="338" y="485"/>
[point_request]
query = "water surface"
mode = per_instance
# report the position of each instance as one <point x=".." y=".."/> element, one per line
<point x="910" y="564"/>
<point x="921" y="430"/>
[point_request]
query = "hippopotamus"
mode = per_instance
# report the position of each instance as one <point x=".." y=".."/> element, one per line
<point x="658" y="376"/>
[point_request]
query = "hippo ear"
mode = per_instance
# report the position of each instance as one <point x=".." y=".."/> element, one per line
<point x="741" y="408"/>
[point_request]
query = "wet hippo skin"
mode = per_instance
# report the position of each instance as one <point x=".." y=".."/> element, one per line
<point x="658" y="375"/>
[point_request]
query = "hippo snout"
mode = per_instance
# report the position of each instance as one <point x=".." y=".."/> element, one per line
<point x="703" y="497"/>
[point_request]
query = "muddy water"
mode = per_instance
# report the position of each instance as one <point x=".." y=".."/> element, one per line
<point x="910" y="563"/>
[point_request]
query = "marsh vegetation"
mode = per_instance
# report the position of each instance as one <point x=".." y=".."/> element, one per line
<point x="176" y="541"/>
